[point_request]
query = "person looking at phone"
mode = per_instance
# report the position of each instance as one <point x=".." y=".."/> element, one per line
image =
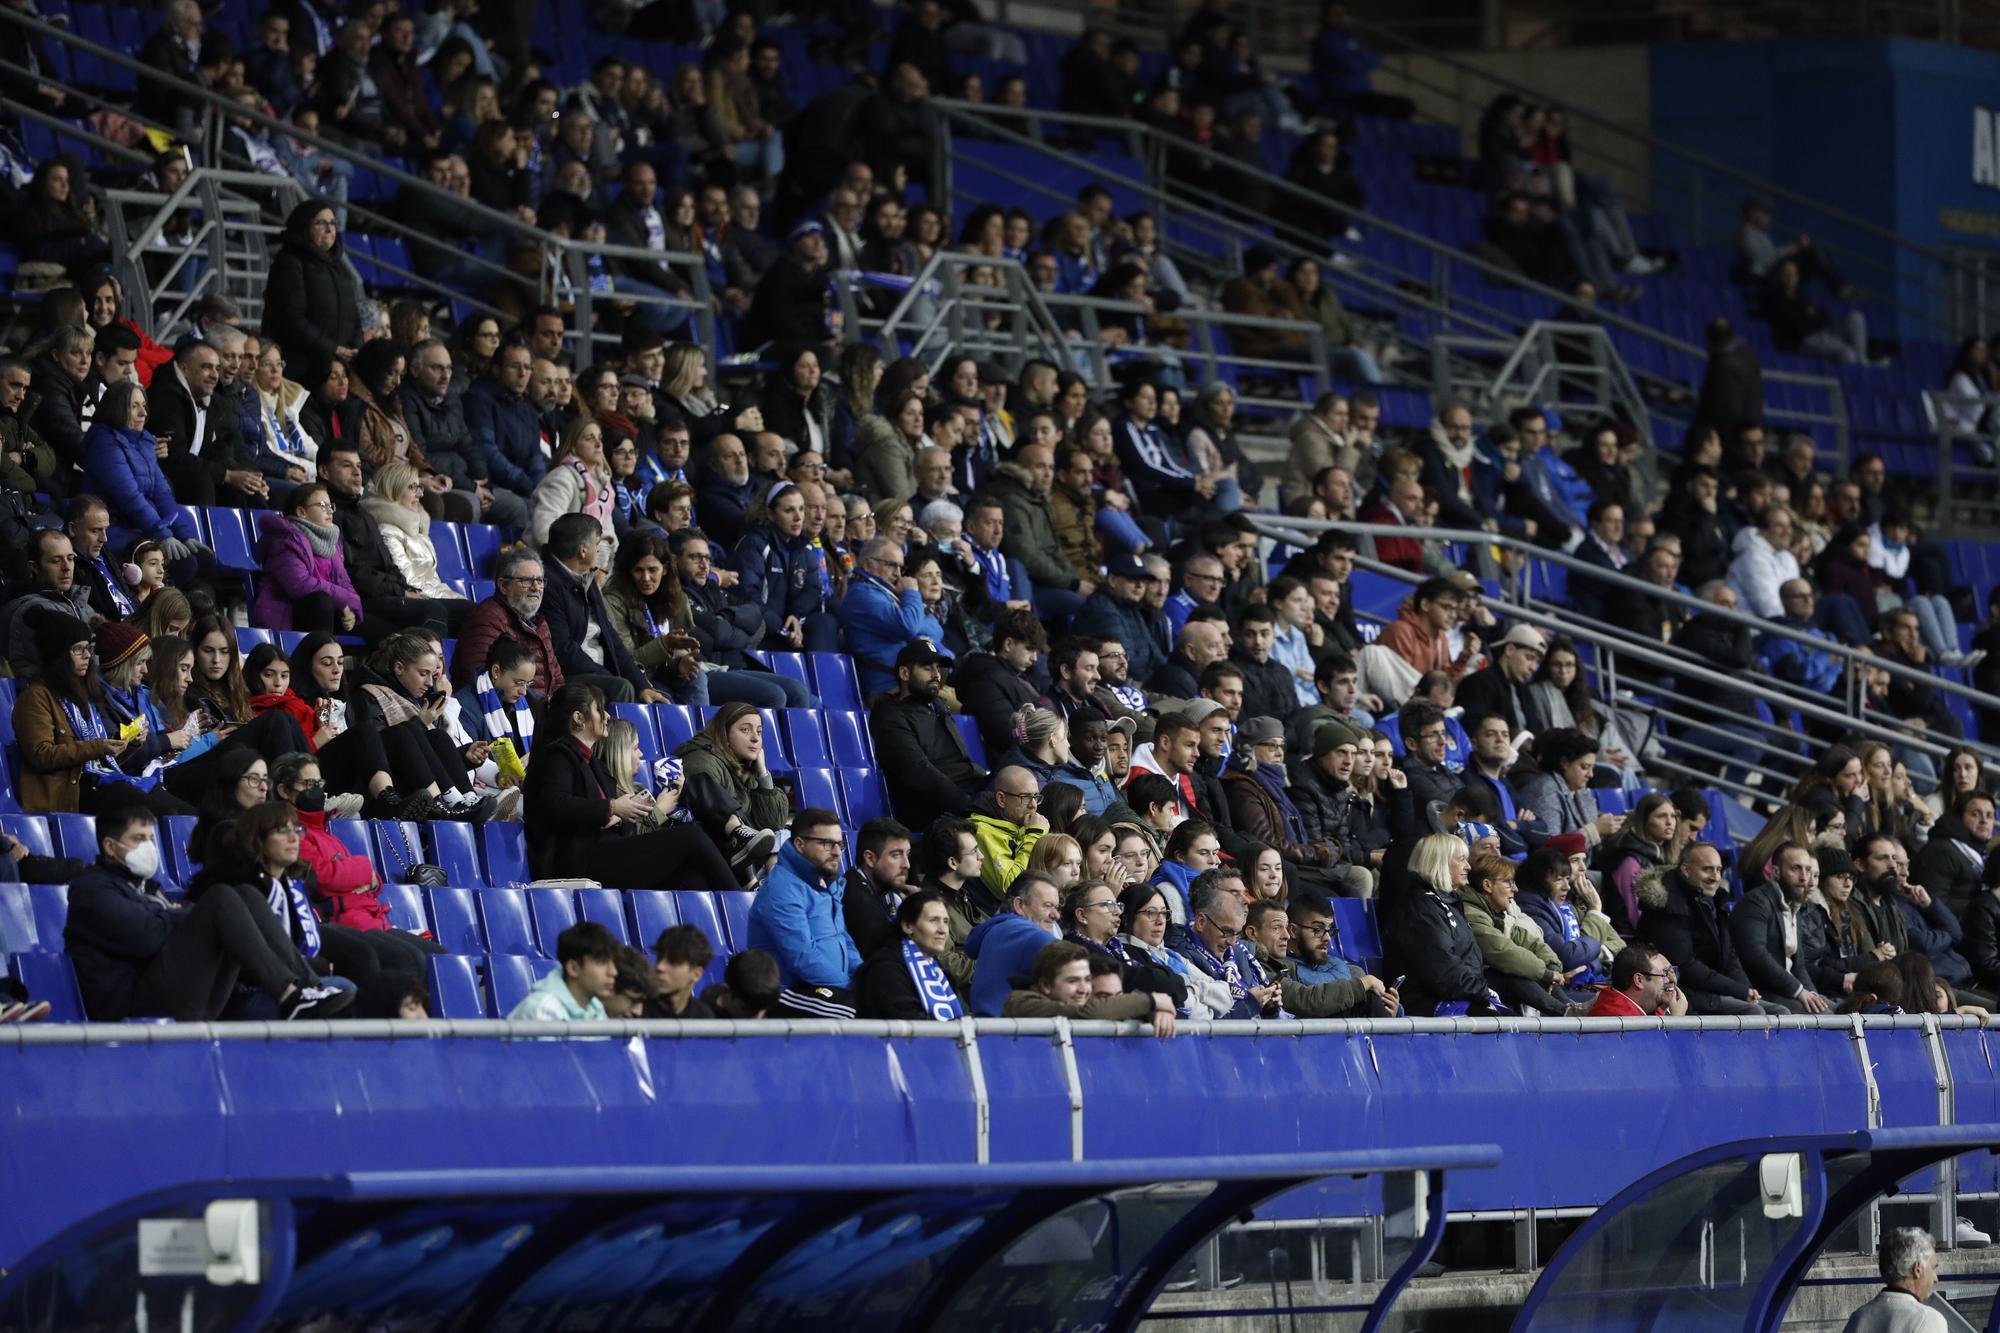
<point x="69" y="744"/>
<point x="404" y="761"/>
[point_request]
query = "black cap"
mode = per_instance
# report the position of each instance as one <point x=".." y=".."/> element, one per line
<point x="921" y="652"/>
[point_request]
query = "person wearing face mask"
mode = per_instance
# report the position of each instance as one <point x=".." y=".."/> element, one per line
<point x="137" y="954"/>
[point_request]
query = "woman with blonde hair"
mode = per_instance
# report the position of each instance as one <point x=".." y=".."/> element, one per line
<point x="578" y="482"/>
<point x="685" y="382"/>
<point x="395" y="499"/>
<point x="1429" y="936"/>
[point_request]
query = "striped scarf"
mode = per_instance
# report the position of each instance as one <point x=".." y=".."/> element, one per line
<point x="497" y="712"/>
<point x="934" y="990"/>
<point x="289" y="903"/>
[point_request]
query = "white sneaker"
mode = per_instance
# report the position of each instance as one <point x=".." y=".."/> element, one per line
<point x="1640" y="266"/>
<point x="1968" y="1236"/>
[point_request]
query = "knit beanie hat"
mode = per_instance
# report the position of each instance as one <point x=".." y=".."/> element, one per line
<point x="117" y="642"/>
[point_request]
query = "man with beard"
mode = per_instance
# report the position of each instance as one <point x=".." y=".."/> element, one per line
<point x="722" y="500"/>
<point x="1116" y="691"/>
<point x="513" y="612"/>
<point x="917" y="743"/>
<point x="876" y="884"/>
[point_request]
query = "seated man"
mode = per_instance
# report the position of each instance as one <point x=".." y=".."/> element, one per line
<point x="905" y="979"/>
<point x="882" y="613"/>
<point x="918" y="745"/>
<point x="139" y="955"/>
<point x="1316" y="982"/>
<point x="587" y="644"/>
<point x="1767" y="936"/>
<point x="798" y="918"/>
<point x="1684" y="916"/>
<point x="586" y="975"/>
<point x="1060" y="986"/>
<point x="1643" y="984"/>
<point x="1004" y="946"/>
<point x="680" y="955"/>
<point x="1009" y="822"/>
<point x="1213" y="945"/>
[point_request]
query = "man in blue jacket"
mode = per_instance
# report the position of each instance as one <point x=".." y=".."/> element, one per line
<point x="882" y="614"/>
<point x="1004" y="946"/>
<point x="1117" y="610"/>
<point x="798" y="917"/>
<point x="503" y="423"/>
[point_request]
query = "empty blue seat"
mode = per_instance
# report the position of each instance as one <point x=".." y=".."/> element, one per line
<point x="451" y="846"/>
<point x="862" y="790"/>
<point x="852" y="745"/>
<point x="354" y="833"/>
<point x="50" y="904"/>
<point x="510" y="977"/>
<point x="18" y="933"/>
<point x="641" y="718"/>
<point x="814" y="788"/>
<point x="455" y="920"/>
<point x="653" y="910"/>
<point x="406" y="908"/>
<point x="1360" y="930"/>
<point x="75" y="836"/>
<point x="509" y="929"/>
<point x="49" y="976"/>
<point x="482" y="547"/>
<point x="736" y="918"/>
<point x="777" y="754"/>
<point x="32" y="831"/>
<point x="506" y="853"/>
<point x="248" y="639"/>
<point x="835" y="682"/>
<point x="554" y="911"/>
<point x="450" y="547"/>
<point x="399" y="845"/>
<point x="975" y="747"/>
<point x="230" y="534"/>
<point x="676" y="723"/>
<point x="175" y="830"/>
<point x="607" y="908"/>
<point x="805" y="740"/>
<point x="455" y="989"/>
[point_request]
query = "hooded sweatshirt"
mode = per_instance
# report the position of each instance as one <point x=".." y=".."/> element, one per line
<point x="1002" y="947"/>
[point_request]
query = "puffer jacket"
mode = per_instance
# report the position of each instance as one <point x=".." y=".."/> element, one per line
<point x="293" y="570"/>
<point x="764" y="805"/>
<point x="798" y="920"/>
<point x="1030" y="534"/>
<point x="345" y="888"/>
<point x="311" y="302"/>
<point x="1692" y="932"/>
<point x="1509" y="947"/>
<point x="1431" y="943"/>
<point x="1074" y="514"/>
<point x="121" y="466"/>
<point x="406" y="535"/>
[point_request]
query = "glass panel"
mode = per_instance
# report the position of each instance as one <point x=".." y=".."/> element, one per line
<point x="96" y="1284"/>
<point x="1066" y="1271"/>
<point x="1689" y="1255"/>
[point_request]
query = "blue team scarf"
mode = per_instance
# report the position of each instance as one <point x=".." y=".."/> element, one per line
<point x="1216" y="967"/>
<point x="114" y="587"/>
<point x="934" y="990"/>
<point x="86" y="724"/>
<point x="995" y="564"/>
<point x="497" y="712"/>
<point x="287" y="897"/>
<point x="1131" y="696"/>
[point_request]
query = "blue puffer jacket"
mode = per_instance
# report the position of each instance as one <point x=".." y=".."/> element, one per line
<point x="121" y="466"/>
<point x="878" y="622"/>
<point x="1001" y="947"/>
<point x="779" y="574"/>
<point x="801" y="923"/>
<point x="507" y="435"/>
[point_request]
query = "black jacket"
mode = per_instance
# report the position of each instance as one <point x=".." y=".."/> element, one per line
<point x="1722" y="646"/>
<point x="870" y="920"/>
<point x="373" y="573"/>
<point x="1488" y="691"/>
<point x="564" y="805"/>
<point x="311" y="305"/>
<point x="723" y="624"/>
<point x="1267" y="687"/>
<point x="789" y="305"/>
<point x="1758" y="931"/>
<point x="569" y="606"/>
<point x="1334" y="815"/>
<point x="1693" y="931"/>
<point x="1429" y="784"/>
<point x="924" y="759"/>
<point x="1982" y="938"/>
<point x="54" y="407"/>
<point x="1176" y="679"/>
<point x="991" y="691"/>
<point x="116" y="926"/>
<point x="1944" y="867"/>
<point x="439" y="429"/>
<point x="1430" y="942"/>
<point x="170" y="410"/>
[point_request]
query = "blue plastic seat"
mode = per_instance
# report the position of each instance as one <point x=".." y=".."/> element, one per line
<point x="736" y="918"/>
<point x="175" y="830"/>
<point x="865" y="797"/>
<point x="554" y="911"/>
<point x="449" y="544"/>
<point x="451" y="846"/>
<point x="455" y="920"/>
<point x="805" y="740"/>
<point x="676" y="723"/>
<point x="816" y="790"/>
<point x="835" y="682"/>
<point x="49" y="976"/>
<point x="399" y="845"/>
<point x="354" y="833"/>
<point x="506" y="853"/>
<point x="248" y="639"/>
<point x="406" y="908"/>
<point x="975" y="747"/>
<point x="229" y="533"/>
<point x="50" y="903"/>
<point x="852" y="744"/>
<point x="1360" y="930"/>
<point x="482" y="547"/>
<point x="32" y="831"/>
<point x="75" y="836"/>
<point x="653" y="911"/>
<point x="510" y="977"/>
<point x="455" y="989"/>
<point x="641" y="718"/>
<point x="607" y="908"/>
<point x="18" y="933"/>
<point x="509" y="929"/>
<point x="777" y="752"/>
<point x="789" y="664"/>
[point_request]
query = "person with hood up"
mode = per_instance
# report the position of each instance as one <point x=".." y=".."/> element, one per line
<point x="311" y="304"/>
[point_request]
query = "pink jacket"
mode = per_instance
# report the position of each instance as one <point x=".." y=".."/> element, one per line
<point x="292" y="571"/>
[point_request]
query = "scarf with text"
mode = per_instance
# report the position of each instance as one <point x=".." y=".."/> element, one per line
<point x="934" y="990"/>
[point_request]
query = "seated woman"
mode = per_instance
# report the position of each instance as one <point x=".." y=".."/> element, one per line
<point x="1091" y="915"/>
<point x="345" y="887"/>
<point x="395" y="499"/>
<point x="783" y="573"/>
<point x="219" y="690"/>
<point x="305" y="584"/>
<point x="1058" y="857"/>
<point x="942" y="600"/>
<point x="729" y="788"/>
<point x="125" y="656"/>
<point x="166" y="614"/>
<point x="319" y="673"/>
<point x="1192" y="849"/>
<point x="269" y="675"/>
<point x="70" y="748"/>
<point x="578" y="482"/>
<point x="626" y="762"/>
<point x="1560" y="794"/>
<point x="581" y="821"/>
<point x="644" y="597"/>
<point x="1576" y="935"/>
<point x="1144" y="915"/>
<point x="121" y="463"/>
<point x="1564" y="694"/>
<point x="403" y="760"/>
<point x="1520" y="966"/>
<point x="1428" y="938"/>
<point x="239" y="779"/>
<point x="259" y="848"/>
<point x="1648" y="839"/>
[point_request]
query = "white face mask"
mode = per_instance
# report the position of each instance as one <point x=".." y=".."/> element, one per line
<point x="143" y="860"/>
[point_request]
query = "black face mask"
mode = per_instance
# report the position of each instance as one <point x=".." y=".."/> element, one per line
<point x="311" y="800"/>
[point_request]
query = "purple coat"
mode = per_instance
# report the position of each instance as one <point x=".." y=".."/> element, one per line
<point x="292" y="572"/>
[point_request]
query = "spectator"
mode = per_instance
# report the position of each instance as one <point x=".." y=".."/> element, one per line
<point x="1061" y="981"/>
<point x="906" y="978"/>
<point x="514" y="613"/>
<point x="305" y="585"/>
<point x="1315" y="981"/>
<point x="402" y="759"/>
<point x="797" y="918"/>
<point x="1563" y="905"/>
<point x="64" y="389"/>
<point x="729" y="785"/>
<point x="396" y="502"/>
<point x="309" y="301"/>
<point x="206" y="458"/>
<point x="1764" y="563"/>
<point x="1423" y="727"/>
<point x="1004" y="945"/>
<point x="1503" y="689"/>
<point x="1797" y="325"/>
<point x="137" y="954"/>
<point x="1008" y="822"/>
<point x="1261" y="804"/>
<point x="636" y="988"/>
<point x="1643" y="984"/>
<point x="121" y="463"/>
<point x="586" y="974"/>
<point x="1560" y="794"/>
<point x="782" y="569"/>
<point x="1421" y="632"/>
<point x="645" y="600"/>
<point x="1521" y="968"/>
<point x="917" y="743"/>
<point x="580" y="626"/>
<point x="878" y="881"/>
<point x="578" y="482"/>
<point x="882" y="613"/>
<point x="994" y="685"/>
<point x="1758" y="254"/>
<point x="1213" y="944"/>
<point x="1683" y="915"/>
<point x="681" y="954"/>
<point x="506" y="432"/>
<point x="1089" y="740"/>
<point x="1429" y="937"/>
<point x="1952" y="861"/>
<point x="1771" y="935"/>
<point x="1648" y="842"/>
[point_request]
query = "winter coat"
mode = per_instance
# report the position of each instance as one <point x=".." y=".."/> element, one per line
<point x="922" y="754"/>
<point x="1596" y="941"/>
<point x="1431" y="943"/>
<point x="885" y="462"/>
<point x="1030" y="534"/>
<point x="1982" y="938"/>
<point x="507" y="435"/>
<point x="311" y="301"/>
<point x="782" y="574"/>
<point x="796" y="918"/>
<point x="406" y="536"/>
<point x="570" y="605"/>
<point x="1006" y="848"/>
<point x="1508" y="948"/>
<point x="763" y="804"/>
<point x="294" y="571"/>
<point x="345" y="888"/>
<point x="1255" y="814"/>
<point x="1410" y="639"/>
<point x="120" y="466"/>
<point x="878" y="622"/>
<point x="1131" y="623"/>
<point x="439" y="428"/>
<point x="116" y="926"/>
<point x="1693" y="932"/>
<point x="493" y="620"/>
<point x="1758" y="931"/>
<point x="1756" y="571"/>
<point x="569" y="488"/>
<point x="1950" y="865"/>
<point x="1002" y="947"/>
<point x="1332" y="989"/>
<point x="52" y="758"/>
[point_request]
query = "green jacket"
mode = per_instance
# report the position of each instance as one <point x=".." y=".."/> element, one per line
<point x="38" y="461"/>
<point x="764" y="805"/>
<point x="964" y="914"/>
<point x="1031" y="529"/>
<point x="1517" y="952"/>
<point x="1326" y="999"/>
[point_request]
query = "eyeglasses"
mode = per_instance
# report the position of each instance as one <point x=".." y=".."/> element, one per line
<point x="287" y="831"/>
<point x="1154" y="912"/>
<point x="835" y="843"/>
<point x="532" y="583"/>
<point x="255" y="779"/>
<point x="1111" y="903"/>
<point x="1322" y="930"/>
<point x="1031" y="797"/>
<point x="1116" y="655"/>
<point x="321" y="504"/>
<point x="1671" y="974"/>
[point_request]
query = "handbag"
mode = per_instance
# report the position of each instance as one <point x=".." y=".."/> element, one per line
<point x="408" y="869"/>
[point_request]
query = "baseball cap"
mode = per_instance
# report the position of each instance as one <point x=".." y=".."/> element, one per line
<point x="1524" y="636"/>
<point x="1125" y="567"/>
<point x="921" y="652"/>
<point x="806" y="228"/>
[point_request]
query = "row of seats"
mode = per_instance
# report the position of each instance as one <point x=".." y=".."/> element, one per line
<point x="465" y="551"/>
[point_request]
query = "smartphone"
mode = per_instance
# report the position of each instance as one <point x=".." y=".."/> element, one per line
<point x="1398" y="987"/>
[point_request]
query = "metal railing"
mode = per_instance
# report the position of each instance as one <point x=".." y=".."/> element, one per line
<point x="1968" y="497"/>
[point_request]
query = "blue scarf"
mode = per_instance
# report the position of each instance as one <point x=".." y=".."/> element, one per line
<point x="496" y="714"/>
<point x="1271" y="779"/>
<point x="114" y="587"/>
<point x="934" y="989"/>
<point x="998" y="588"/>
<point x="1221" y="969"/>
<point x="286" y="896"/>
<point x="87" y="725"/>
<point x="284" y="430"/>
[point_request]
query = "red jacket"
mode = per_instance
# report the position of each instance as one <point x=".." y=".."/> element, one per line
<point x="1402" y="552"/>
<point x="492" y="620"/>
<point x="1615" y="1004"/>
<point x="1410" y="639"/>
<point x="345" y="884"/>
